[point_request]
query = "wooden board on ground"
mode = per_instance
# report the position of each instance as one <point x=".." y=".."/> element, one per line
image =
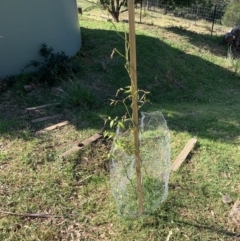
<point x="82" y="144"/>
<point x="50" y="128"/>
<point x="45" y="118"/>
<point x="183" y="155"/>
<point x="40" y="106"/>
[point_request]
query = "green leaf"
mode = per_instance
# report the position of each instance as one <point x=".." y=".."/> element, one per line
<point x="121" y="125"/>
<point x="111" y="123"/>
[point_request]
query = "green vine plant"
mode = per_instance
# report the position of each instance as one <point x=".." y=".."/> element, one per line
<point x="125" y="122"/>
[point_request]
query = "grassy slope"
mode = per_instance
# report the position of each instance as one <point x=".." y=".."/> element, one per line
<point x="191" y="82"/>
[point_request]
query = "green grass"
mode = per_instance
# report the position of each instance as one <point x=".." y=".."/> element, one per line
<point x="197" y="90"/>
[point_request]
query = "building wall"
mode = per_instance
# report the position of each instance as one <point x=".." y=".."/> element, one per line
<point x="26" y="24"/>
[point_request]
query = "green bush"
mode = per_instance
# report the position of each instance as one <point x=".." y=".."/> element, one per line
<point x="54" y="66"/>
<point x="231" y="17"/>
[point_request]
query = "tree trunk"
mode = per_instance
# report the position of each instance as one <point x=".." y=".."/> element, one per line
<point x="114" y="10"/>
<point x="115" y="15"/>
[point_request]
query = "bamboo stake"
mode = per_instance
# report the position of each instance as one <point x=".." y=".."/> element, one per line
<point x="134" y="106"/>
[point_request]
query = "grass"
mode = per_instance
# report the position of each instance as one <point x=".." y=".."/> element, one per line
<point x="191" y="82"/>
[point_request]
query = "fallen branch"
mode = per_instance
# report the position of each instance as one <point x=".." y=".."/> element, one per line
<point x="84" y="179"/>
<point x="32" y="215"/>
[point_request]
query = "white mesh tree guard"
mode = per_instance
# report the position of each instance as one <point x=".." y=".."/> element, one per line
<point x="155" y="151"/>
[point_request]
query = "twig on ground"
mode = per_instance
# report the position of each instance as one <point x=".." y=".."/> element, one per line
<point x="83" y="180"/>
<point x="33" y="215"/>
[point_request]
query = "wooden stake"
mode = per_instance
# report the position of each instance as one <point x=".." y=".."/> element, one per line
<point x="133" y="76"/>
<point x="183" y="155"/>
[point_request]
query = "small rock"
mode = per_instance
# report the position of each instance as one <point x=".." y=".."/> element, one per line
<point x="226" y="199"/>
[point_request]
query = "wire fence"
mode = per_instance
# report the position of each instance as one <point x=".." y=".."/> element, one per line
<point x="193" y="12"/>
<point x="210" y="13"/>
<point x="154" y="11"/>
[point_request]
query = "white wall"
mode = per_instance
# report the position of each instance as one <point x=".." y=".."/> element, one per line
<point x="26" y="24"/>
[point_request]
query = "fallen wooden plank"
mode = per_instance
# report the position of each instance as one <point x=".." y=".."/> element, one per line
<point x="45" y="118"/>
<point x="71" y="151"/>
<point x="90" y="140"/>
<point x="82" y="144"/>
<point x="50" y="128"/>
<point x="183" y="155"/>
<point x="40" y="106"/>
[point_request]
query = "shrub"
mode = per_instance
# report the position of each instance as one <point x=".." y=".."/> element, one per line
<point x="55" y="65"/>
<point x="232" y="14"/>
